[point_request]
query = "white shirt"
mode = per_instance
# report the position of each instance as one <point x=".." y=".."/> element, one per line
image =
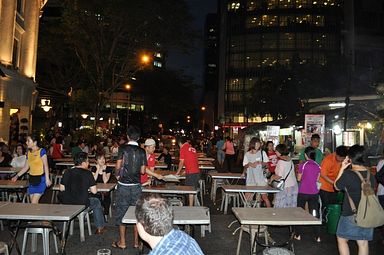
<point x="380" y="188"/>
<point x="18" y="161"/>
<point x="282" y="169"/>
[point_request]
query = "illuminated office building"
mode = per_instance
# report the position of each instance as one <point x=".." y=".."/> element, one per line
<point x="261" y="37"/>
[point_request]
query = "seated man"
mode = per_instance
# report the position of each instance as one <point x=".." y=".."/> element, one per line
<point x="154" y="224"/>
<point x="75" y="185"/>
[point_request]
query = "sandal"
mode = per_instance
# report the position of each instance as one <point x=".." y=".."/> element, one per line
<point x="117" y="246"/>
<point x="297" y="237"/>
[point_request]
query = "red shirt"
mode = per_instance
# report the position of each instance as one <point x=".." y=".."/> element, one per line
<point x="151" y="162"/>
<point x="272" y="161"/>
<point x="189" y="155"/>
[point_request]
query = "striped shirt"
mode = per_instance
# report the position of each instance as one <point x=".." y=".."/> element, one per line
<point x="177" y="242"/>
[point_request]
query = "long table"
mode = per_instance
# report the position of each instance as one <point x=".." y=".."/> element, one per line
<point x="271" y="217"/>
<point x="18" y="187"/>
<point x="38" y="212"/>
<point x="173" y="189"/>
<point x="101" y="187"/>
<point x="183" y="215"/>
<point x="9" y="170"/>
<point x="228" y="178"/>
<point x="242" y="190"/>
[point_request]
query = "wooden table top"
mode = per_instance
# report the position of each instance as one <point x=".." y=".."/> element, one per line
<point x="101" y="187"/>
<point x="8" y="184"/>
<point x="26" y="211"/>
<point x="9" y="170"/>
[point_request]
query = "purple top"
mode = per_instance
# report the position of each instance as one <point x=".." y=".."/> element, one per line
<point x="310" y="171"/>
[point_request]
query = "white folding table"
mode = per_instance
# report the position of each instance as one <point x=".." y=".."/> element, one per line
<point x="229" y="178"/>
<point x="271" y="217"/>
<point x="183" y="215"/>
<point x="242" y="190"/>
<point x="39" y="212"/>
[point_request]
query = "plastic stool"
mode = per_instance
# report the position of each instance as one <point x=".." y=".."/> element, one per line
<point x="80" y="217"/>
<point x="4" y="248"/>
<point x="44" y="231"/>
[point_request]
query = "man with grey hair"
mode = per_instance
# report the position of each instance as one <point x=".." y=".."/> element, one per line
<point x="154" y="224"/>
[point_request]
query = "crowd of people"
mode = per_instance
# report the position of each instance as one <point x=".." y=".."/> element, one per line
<point x="315" y="181"/>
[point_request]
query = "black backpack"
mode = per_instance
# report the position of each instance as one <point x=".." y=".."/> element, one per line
<point x="380" y="175"/>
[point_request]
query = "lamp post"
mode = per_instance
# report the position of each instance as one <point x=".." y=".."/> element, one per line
<point x="128" y="88"/>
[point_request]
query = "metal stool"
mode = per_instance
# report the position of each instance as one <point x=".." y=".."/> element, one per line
<point x="226" y="199"/>
<point x="4" y="248"/>
<point x="56" y="180"/>
<point x="80" y="217"/>
<point x="253" y="232"/>
<point x="43" y="228"/>
<point x="204" y="228"/>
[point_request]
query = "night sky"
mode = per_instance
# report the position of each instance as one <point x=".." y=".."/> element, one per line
<point x="193" y="64"/>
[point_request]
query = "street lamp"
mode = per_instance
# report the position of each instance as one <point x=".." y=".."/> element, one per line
<point x="203" y="110"/>
<point x="145" y="59"/>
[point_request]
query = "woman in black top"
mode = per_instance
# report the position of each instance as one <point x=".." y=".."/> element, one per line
<point x="348" y="180"/>
<point x="102" y="174"/>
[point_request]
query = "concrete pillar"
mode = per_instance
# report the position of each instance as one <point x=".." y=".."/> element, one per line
<point x="29" y="39"/>
<point x="7" y="25"/>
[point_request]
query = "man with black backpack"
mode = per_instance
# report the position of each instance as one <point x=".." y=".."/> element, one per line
<point x="131" y="162"/>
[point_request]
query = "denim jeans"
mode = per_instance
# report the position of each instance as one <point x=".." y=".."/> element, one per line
<point x="98" y="215"/>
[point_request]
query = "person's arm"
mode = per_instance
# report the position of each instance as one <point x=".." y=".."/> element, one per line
<point x="93" y="189"/>
<point x="181" y="164"/>
<point x="117" y="168"/>
<point x="142" y="169"/>
<point x="46" y="170"/>
<point x="151" y="171"/>
<point x="325" y="166"/>
<point x="106" y="176"/>
<point x="344" y="165"/>
<point x="96" y="172"/>
<point x="22" y="171"/>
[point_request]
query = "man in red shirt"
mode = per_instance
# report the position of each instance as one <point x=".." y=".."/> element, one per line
<point x="150" y="146"/>
<point x="188" y="158"/>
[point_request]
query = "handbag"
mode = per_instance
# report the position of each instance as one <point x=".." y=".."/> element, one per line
<point x="280" y="184"/>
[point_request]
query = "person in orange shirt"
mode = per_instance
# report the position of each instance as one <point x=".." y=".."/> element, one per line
<point x="330" y="167"/>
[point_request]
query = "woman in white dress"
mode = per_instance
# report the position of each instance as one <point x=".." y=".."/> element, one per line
<point x="254" y="162"/>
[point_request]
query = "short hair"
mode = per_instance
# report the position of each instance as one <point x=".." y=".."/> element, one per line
<point x="310" y="152"/>
<point x="282" y="149"/>
<point x="183" y="139"/>
<point x="79" y="158"/>
<point x="133" y="133"/>
<point x="100" y="154"/>
<point x="268" y="143"/>
<point x="315" y="136"/>
<point x="80" y="141"/>
<point x="341" y="151"/>
<point x="357" y="154"/>
<point x="154" y="213"/>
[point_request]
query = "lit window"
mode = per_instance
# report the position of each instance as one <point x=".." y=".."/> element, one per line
<point x="234" y="6"/>
<point x="157" y="63"/>
<point x="158" y="54"/>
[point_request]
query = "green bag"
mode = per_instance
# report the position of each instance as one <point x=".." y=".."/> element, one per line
<point x="369" y="214"/>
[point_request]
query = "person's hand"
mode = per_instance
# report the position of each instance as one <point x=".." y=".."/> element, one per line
<point x="242" y="174"/>
<point x="160" y="177"/>
<point x="346" y="162"/>
<point x="14" y="178"/>
<point x="48" y="182"/>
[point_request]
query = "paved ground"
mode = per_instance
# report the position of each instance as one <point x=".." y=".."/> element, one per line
<point x="220" y="241"/>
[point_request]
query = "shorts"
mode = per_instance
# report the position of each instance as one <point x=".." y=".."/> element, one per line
<point x="348" y="229"/>
<point x="192" y="180"/>
<point x="220" y="155"/>
<point x="126" y="196"/>
<point x="38" y="189"/>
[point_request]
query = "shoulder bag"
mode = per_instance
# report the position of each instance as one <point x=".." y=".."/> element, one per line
<point x="280" y="184"/>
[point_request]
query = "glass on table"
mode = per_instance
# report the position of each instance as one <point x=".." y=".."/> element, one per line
<point x="104" y="252"/>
